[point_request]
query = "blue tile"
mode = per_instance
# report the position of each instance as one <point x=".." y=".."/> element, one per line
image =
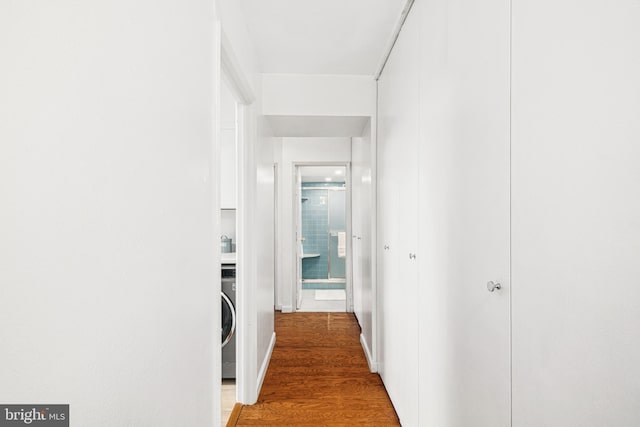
<point x="315" y="230"/>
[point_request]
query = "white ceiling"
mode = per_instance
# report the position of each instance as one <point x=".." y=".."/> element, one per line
<point x="321" y="36"/>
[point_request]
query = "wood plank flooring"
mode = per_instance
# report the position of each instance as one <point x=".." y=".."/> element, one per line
<point x="318" y="376"/>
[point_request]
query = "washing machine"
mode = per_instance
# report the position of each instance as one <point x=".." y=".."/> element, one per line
<point x="228" y="296"/>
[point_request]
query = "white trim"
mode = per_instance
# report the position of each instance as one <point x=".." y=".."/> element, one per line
<point x="374" y="232"/>
<point x="349" y="231"/>
<point x="373" y="366"/>
<point x="297" y="221"/>
<point x="233" y="74"/>
<point x="214" y="170"/>
<point x="265" y="364"/>
<point x="287" y="309"/>
<point x="394" y="36"/>
<point x="276" y="240"/>
<point x="245" y="301"/>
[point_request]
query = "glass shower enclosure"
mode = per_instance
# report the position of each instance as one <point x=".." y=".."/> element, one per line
<point x="324" y="232"/>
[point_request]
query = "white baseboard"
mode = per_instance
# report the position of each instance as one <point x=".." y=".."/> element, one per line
<point x="373" y="366"/>
<point x="265" y="363"/>
<point x="287" y="309"/>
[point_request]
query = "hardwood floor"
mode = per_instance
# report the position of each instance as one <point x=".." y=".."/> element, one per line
<point x="228" y="399"/>
<point x="318" y="376"/>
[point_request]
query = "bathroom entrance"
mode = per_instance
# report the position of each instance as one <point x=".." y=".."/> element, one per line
<point x="322" y="252"/>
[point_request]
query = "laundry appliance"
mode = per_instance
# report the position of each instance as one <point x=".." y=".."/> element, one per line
<point x="228" y="296"/>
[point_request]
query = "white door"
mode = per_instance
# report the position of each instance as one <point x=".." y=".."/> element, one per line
<point x="299" y="237"/>
<point x="398" y="138"/>
<point x="464" y="213"/>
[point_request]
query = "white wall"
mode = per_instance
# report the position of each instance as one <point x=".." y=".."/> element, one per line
<point x="264" y="244"/>
<point x="318" y="95"/>
<point x="106" y="274"/>
<point x="363" y="231"/>
<point x="318" y="126"/>
<point x="291" y="151"/>
<point x="576" y="233"/>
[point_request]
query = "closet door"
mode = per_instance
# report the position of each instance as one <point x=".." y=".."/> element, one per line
<point x="464" y="213"/>
<point x="398" y="136"/>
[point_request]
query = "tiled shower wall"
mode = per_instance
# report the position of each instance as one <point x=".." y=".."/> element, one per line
<point x="315" y="223"/>
<point x="315" y="230"/>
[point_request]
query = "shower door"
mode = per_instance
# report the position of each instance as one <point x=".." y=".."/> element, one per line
<point x="324" y="239"/>
<point x="337" y="235"/>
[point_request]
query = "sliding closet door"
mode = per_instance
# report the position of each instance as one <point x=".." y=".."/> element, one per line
<point x="464" y="213"/>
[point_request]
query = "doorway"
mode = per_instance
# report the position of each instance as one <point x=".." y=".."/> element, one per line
<point x="322" y="245"/>
<point x="228" y="247"/>
<point x="235" y="141"/>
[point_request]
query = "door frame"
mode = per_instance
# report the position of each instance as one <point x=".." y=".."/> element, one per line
<point x="297" y="217"/>
<point x="296" y="206"/>
<point x="226" y="67"/>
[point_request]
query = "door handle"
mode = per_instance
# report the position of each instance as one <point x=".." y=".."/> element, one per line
<point x="492" y="286"/>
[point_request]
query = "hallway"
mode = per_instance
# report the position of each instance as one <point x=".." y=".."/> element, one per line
<point x="318" y="376"/>
<point x="489" y="153"/>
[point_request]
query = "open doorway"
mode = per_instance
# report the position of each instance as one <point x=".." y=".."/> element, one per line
<point x="250" y="179"/>
<point x="322" y="238"/>
<point x="228" y="247"/>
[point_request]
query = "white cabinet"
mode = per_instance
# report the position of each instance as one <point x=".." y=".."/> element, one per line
<point x="228" y="168"/>
<point x="228" y="150"/>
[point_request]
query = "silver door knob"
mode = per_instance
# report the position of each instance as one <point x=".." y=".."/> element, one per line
<point x="386" y="247"/>
<point x="492" y="286"/>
